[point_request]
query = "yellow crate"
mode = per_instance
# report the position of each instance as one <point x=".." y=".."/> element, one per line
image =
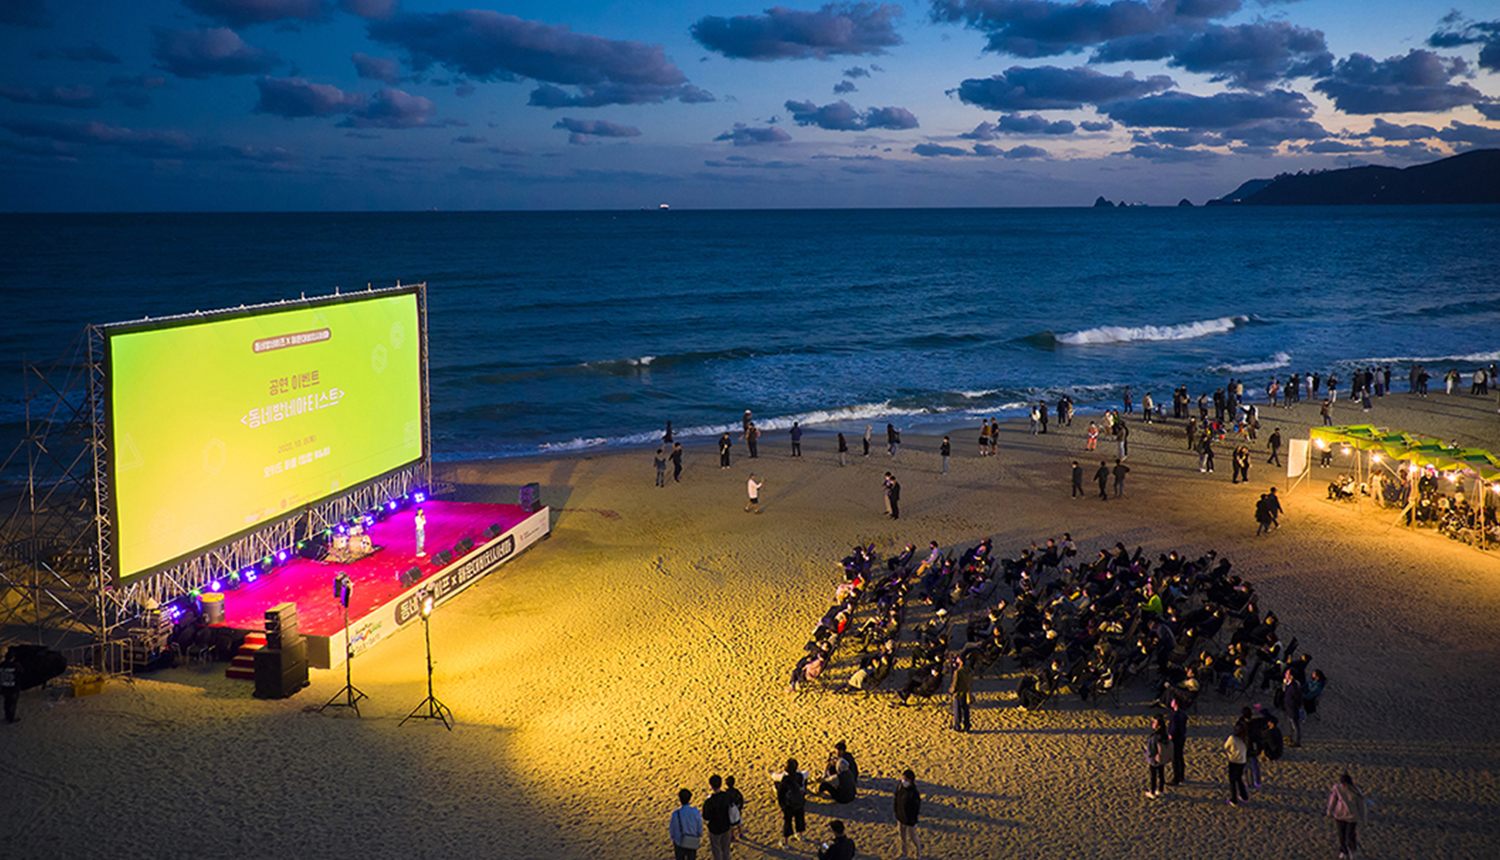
<point x="87" y="685"/>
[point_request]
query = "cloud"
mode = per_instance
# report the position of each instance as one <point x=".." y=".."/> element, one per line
<point x="242" y="13"/>
<point x="1102" y="125"/>
<point x="932" y="150"/>
<point x="980" y="150"/>
<point x="743" y="135"/>
<point x="787" y="34"/>
<point x="391" y="108"/>
<point x="376" y="68"/>
<point x="1393" y="131"/>
<point x="25" y="13"/>
<point x="844" y="87"/>
<point x="369" y="8"/>
<point x="1490" y="110"/>
<point x="857" y="72"/>
<point x="93" y="52"/>
<point x="296" y="97"/>
<point x="983" y="131"/>
<point x="581" y="130"/>
<point x="169" y="144"/>
<point x="469" y="138"/>
<point x="1036" y="28"/>
<point x="209" y="53"/>
<point x="1024" y="151"/>
<point x="1253" y="56"/>
<point x="1461" y="31"/>
<point x="1169" y="154"/>
<point x="69" y="97"/>
<point x="746" y="162"/>
<point x="1179" y="138"/>
<point x="1053" y="88"/>
<point x="1334" y="147"/>
<point x="489" y="46"/>
<point x="131" y="90"/>
<point x="1475" y="135"/>
<point x="842" y="116"/>
<point x="1419" y="82"/>
<point x="1271" y="132"/>
<point x="1219" y="111"/>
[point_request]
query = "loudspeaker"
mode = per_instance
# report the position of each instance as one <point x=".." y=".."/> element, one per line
<point x="463" y="546"/>
<point x="493" y="531"/>
<point x="411" y="577"/>
<point x="530" y="498"/>
<point x="281" y="624"/>
<point x="442" y="559"/>
<point x="280" y="672"/>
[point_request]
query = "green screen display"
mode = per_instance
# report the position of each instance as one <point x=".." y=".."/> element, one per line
<point x="224" y="425"/>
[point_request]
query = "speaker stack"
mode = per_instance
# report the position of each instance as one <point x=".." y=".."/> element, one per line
<point x="281" y="666"/>
<point x="530" y="497"/>
<point x="463" y="546"/>
<point x="411" y="576"/>
<point x="493" y="531"/>
<point x="442" y="559"/>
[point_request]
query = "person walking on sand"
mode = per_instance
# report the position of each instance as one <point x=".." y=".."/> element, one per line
<point x="1120" y="471"/>
<point x="843" y="450"/>
<point x="1158" y="753"/>
<point x="753" y="488"/>
<point x="1102" y="476"/>
<point x="908" y="811"/>
<point x="1077" y="480"/>
<point x="752" y="440"/>
<point x="724" y="444"/>
<point x="892" y="440"/>
<point x="685" y="828"/>
<point x="867" y="440"/>
<point x="984" y="437"/>
<point x="676" y="462"/>
<point x="1236" y="751"/>
<point x="1275" y="445"/>
<point x="661" y="468"/>
<point x="1177" y="726"/>
<point x="1347" y="806"/>
<point x="946" y="449"/>
<point x="716" y="813"/>
<point x="894" y="491"/>
<point x="888" y="481"/>
<point x="736" y="810"/>
<point x="1240" y="465"/>
<point x="791" y="799"/>
<point x="841" y="847"/>
<point x="1206" y="453"/>
<point x="994" y="436"/>
<point x="796" y="439"/>
<point x="962" y="690"/>
<point x="1122" y="438"/>
<point x="1273" y="504"/>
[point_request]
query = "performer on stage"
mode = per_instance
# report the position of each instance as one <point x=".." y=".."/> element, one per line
<point x="421" y="521"/>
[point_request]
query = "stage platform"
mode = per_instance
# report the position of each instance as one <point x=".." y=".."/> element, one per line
<point x="380" y="603"/>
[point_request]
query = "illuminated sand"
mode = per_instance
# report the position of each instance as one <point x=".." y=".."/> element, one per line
<point x="647" y="645"/>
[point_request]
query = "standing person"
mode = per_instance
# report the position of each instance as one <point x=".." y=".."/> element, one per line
<point x="1346" y="806"/>
<point x="1041" y="408"/>
<point x="1262" y="515"/>
<point x="1274" y="444"/>
<point x="1093" y="437"/>
<point x="676" y="462"/>
<point x="420" y="520"/>
<point x="1122" y="438"/>
<point x="796" y="439"/>
<point x="892" y="439"/>
<point x="908" y="810"/>
<point x="889" y="479"/>
<point x="1333" y="388"/>
<point x="1077" y="480"/>
<point x="1240" y="465"/>
<point x="737" y="809"/>
<point x="841" y="848"/>
<point x="1129" y="402"/>
<point x="752" y="487"/>
<point x="746" y="422"/>
<point x="1291" y="705"/>
<point x="994" y="436"/>
<point x="666" y="438"/>
<point x="1177" y="726"/>
<point x="984" y="437"/>
<point x="791" y="799"/>
<point x="10" y="684"/>
<point x="724" y="444"/>
<point x="1326" y="412"/>
<point x="895" y="491"/>
<point x="716" y="817"/>
<point x="685" y="828"/>
<point x="1273" y="504"/>
<point x="1236" y="750"/>
<point x="962" y="690"/>
<point x="946" y="449"/>
<point x="843" y="450"/>
<point x="1158" y="753"/>
<point x="752" y="440"/>
<point x="1102" y="476"/>
<point x="1192" y="434"/>
<point x="1146" y="406"/>
<point x="867" y="440"/>
<point x="1206" y="453"/>
<point x="661" y="468"/>
<point x="1035" y="420"/>
<point x="1120" y="471"/>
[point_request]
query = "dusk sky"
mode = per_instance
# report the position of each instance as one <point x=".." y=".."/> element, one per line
<point x="420" y="104"/>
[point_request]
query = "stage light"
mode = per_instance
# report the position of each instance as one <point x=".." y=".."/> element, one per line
<point x="1375" y="458"/>
<point x="426" y="602"/>
<point x="391" y="505"/>
<point x="1345" y="450"/>
<point x="419" y="498"/>
<point x="281" y="557"/>
<point x="215" y="586"/>
<point x="338" y="529"/>
<point x="250" y="577"/>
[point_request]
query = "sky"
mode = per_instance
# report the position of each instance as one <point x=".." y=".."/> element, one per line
<point x="313" y="105"/>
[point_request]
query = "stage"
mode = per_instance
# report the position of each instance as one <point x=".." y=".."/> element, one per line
<point x="380" y="602"/>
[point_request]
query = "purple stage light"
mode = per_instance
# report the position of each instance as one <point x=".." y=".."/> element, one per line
<point x="281" y="557"/>
<point x="215" y="586"/>
<point x="420" y="498"/>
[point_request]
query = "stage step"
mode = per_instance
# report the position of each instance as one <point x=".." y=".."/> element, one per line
<point x="243" y="664"/>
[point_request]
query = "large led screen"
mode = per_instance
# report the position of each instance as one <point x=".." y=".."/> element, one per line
<point x="226" y="424"/>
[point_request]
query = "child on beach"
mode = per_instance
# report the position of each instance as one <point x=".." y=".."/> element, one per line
<point x="1093" y="437"/>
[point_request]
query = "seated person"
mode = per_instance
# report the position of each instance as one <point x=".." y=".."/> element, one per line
<point x="1313" y="689"/>
<point x="1184" y="691"/>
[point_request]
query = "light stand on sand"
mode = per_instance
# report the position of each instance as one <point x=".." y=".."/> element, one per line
<point x="342" y="587"/>
<point x="435" y="710"/>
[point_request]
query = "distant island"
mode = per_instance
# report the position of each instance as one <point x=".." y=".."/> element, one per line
<point x="1471" y="177"/>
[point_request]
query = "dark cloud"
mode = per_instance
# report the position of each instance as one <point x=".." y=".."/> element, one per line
<point x="297" y="97"/>
<point x="1394" y="131"/>
<point x="242" y="13"/>
<point x="391" y="108"/>
<point x="1034" y="124"/>
<point x="1024" y="151"/>
<point x="1421" y="81"/>
<point x="1254" y="56"/>
<point x="469" y="138"/>
<point x="167" y="144"/>
<point x="489" y="46"/>
<point x="1036" y="28"/>
<point x="983" y="131"/>
<point x="787" y="34"/>
<point x="93" y="52"/>
<point x="1490" y="110"/>
<point x="209" y="53"/>
<point x="69" y="97"/>
<point x="1102" y="125"/>
<point x="1333" y="147"/>
<point x="1169" y="154"/>
<point x="1179" y="138"/>
<point x="980" y="150"/>
<point x="1475" y="135"/>
<point x="1053" y="88"/>
<point x="857" y="72"/>
<point x="743" y="135"/>
<point x="369" y="8"/>
<point x="131" y="91"/>
<point x="985" y="150"/>
<point x="1219" y="111"/>
<point x="1458" y="30"/>
<point x="582" y="130"/>
<point x="844" y="87"/>
<point x="932" y="150"/>
<point x="842" y="116"/>
<point x="1271" y="132"/>
<point x="25" y="13"/>
<point x="376" y="68"/>
<point x="753" y="163"/>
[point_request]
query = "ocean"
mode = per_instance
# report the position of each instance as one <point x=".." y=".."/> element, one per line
<point x="567" y="331"/>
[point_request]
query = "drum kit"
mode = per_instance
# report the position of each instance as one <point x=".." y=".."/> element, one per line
<point x="351" y="546"/>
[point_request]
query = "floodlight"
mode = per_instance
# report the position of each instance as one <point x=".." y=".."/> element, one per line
<point x="419" y="498"/>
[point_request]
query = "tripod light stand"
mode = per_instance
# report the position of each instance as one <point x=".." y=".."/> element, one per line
<point x="351" y="694"/>
<point x="435" y="709"/>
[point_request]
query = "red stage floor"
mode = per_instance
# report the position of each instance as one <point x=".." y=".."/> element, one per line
<point x="376" y="577"/>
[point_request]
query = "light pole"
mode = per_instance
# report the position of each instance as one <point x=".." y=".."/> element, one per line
<point x="435" y="710"/>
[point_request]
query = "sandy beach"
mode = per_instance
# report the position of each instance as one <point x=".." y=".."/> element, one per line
<point x="648" y="644"/>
